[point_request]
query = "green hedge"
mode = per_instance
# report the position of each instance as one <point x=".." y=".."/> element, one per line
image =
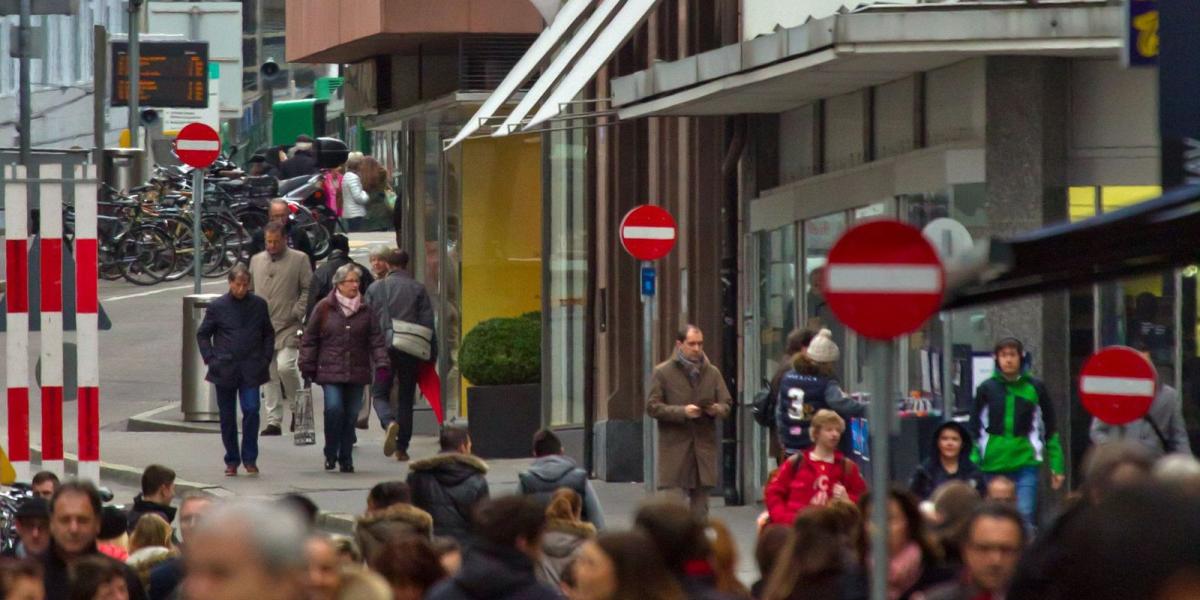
<point x="503" y="351"/>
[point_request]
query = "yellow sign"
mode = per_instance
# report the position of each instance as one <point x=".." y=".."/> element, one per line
<point x="7" y="474"/>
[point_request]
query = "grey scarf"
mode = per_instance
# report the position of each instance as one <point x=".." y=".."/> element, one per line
<point x="692" y="368"/>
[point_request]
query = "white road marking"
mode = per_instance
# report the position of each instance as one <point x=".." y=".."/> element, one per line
<point x="158" y="291"/>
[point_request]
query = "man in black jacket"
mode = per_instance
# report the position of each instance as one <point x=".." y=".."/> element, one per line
<point x="501" y="562"/>
<point x="302" y="162"/>
<point x="158" y="488"/>
<point x="237" y="342"/>
<point x="74" y="527"/>
<point x="322" y="280"/>
<point x="449" y="485"/>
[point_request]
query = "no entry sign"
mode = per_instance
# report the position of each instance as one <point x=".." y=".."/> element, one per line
<point x="1117" y="385"/>
<point x="197" y="145"/>
<point x="648" y="232"/>
<point x="883" y="279"/>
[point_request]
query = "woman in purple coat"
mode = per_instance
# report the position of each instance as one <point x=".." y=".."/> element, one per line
<point x="341" y="348"/>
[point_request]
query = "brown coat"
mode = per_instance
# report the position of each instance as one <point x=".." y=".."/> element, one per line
<point x="688" y="452"/>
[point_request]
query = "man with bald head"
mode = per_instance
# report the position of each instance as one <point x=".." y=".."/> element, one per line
<point x="280" y="212"/>
<point x="687" y="396"/>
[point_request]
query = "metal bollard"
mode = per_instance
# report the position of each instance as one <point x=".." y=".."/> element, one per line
<point x="198" y="397"/>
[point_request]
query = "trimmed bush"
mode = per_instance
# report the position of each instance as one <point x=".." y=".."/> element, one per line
<point x="503" y="351"/>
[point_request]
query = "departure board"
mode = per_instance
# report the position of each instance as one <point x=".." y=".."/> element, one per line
<point x="173" y="74"/>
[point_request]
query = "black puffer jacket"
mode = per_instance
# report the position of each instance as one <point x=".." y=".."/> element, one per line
<point x="493" y="572"/>
<point x="448" y="486"/>
<point x="237" y="341"/>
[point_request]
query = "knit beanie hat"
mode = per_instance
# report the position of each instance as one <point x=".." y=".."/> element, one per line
<point x="822" y="348"/>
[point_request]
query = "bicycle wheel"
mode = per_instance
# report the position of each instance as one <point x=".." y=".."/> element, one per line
<point x="146" y="255"/>
<point x="227" y="239"/>
<point x="179" y="228"/>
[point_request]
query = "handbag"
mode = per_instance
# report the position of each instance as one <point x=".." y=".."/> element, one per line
<point x="305" y="433"/>
<point x="412" y="339"/>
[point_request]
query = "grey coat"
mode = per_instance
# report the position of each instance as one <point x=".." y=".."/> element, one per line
<point x="1167" y="413"/>
<point x="399" y="296"/>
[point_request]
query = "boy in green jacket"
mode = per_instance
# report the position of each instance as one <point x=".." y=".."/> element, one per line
<point x="1014" y="425"/>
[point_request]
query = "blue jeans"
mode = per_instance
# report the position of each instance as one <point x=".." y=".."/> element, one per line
<point x="1025" y="480"/>
<point x="227" y="405"/>
<point x="342" y="402"/>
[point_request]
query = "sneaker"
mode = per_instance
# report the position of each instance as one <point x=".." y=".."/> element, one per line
<point x="401" y="456"/>
<point x="251" y="469"/>
<point x="231" y="471"/>
<point x="389" y="442"/>
<point x="271" y="430"/>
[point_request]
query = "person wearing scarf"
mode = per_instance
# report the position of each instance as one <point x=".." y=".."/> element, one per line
<point x="341" y="343"/>
<point x="687" y="396"/>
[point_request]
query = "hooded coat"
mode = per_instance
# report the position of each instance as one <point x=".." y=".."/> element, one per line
<point x="492" y="572"/>
<point x="548" y="473"/>
<point x="374" y="531"/>
<point x="930" y="475"/>
<point x="448" y="486"/>
<point x="560" y="543"/>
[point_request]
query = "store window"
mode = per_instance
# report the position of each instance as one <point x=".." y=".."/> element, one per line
<point x="819" y="236"/>
<point x="776" y="296"/>
<point x="958" y="335"/>
<point x="565" y="272"/>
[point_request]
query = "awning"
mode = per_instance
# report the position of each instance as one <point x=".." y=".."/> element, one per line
<point x="549" y="38"/>
<point x="579" y="56"/>
<point x="846" y="52"/>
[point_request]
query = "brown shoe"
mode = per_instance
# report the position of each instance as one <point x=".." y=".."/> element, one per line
<point x="401" y="456"/>
<point x="251" y="469"/>
<point x="231" y="471"/>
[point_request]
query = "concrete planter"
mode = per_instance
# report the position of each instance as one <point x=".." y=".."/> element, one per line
<point x="503" y="418"/>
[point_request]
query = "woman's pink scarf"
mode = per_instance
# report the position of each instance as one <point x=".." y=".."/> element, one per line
<point x="349" y="306"/>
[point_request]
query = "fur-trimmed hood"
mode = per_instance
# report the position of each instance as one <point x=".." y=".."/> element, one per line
<point x="450" y="468"/>
<point x="581" y="529"/>
<point x="398" y="514"/>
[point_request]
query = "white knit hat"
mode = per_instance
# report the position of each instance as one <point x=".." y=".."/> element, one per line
<point x="822" y="348"/>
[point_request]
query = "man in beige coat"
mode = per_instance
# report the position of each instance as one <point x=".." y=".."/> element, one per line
<point x="687" y="396"/>
<point x="281" y="276"/>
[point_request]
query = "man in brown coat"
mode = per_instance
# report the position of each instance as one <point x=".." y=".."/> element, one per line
<point x="687" y="396"/>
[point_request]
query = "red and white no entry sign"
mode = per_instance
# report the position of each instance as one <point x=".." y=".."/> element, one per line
<point x="648" y="232"/>
<point x="883" y="279"/>
<point x="1117" y="385"/>
<point x="197" y="145"/>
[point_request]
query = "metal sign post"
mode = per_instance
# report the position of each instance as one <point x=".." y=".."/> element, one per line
<point x="197" y="211"/>
<point x="649" y="449"/>
<point x="880" y="411"/>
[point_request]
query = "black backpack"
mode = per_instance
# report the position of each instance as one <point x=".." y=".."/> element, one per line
<point x="764" y="406"/>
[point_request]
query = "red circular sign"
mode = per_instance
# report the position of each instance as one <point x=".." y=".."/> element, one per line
<point x="1117" y="385"/>
<point x="197" y="145"/>
<point x="883" y="279"/>
<point x="648" y="232"/>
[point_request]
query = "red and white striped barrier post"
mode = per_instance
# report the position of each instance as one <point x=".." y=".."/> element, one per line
<point x="50" y="234"/>
<point x="16" y="345"/>
<point x="87" y="326"/>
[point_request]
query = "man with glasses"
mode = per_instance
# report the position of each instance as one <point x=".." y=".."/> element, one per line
<point x="995" y="538"/>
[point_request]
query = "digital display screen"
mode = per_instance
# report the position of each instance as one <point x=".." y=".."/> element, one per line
<point x="173" y="74"/>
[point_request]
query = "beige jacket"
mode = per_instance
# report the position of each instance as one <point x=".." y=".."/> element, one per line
<point x="688" y="453"/>
<point x="283" y="282"/>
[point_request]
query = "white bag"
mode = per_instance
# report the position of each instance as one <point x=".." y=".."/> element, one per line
<point x="412" y="339"/>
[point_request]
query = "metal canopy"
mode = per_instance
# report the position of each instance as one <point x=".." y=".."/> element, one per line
<point x="552" y="73"/>
<point x="615" y="34"/>
<point x="549" y="38"/>
<point x="1150" y="236"/>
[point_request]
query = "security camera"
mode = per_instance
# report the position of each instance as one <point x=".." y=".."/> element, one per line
<point x="149" y="116"/>
<point x="269" y="69"/>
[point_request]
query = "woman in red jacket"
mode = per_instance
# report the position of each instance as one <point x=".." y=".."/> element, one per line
<point x="817" y="476"/>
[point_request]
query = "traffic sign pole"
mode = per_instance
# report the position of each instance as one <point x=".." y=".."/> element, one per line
<point x="879" y="355"/>
<point x="649" y="439"/>
<point x="197" y="210"/>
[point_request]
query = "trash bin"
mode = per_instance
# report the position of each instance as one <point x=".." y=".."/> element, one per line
<point x="199" y="397"/>
<point x="121" y="168"/>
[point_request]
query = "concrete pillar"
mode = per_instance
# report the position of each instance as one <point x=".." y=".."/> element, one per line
<point x="1027" y="115"/>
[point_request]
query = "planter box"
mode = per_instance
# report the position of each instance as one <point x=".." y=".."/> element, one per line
<point x="503" y="418"/>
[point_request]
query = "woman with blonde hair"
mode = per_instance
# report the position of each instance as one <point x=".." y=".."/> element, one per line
<point x="149" y="545"/>
<point x="353" y="197"/>
<point x="565" y="534"/>
<point x="724" y="560"/>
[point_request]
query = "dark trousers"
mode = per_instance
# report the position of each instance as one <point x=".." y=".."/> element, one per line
<point x="342" y="402"/>
<point x="404" y="378"/>
<point x="227" y="405"/>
